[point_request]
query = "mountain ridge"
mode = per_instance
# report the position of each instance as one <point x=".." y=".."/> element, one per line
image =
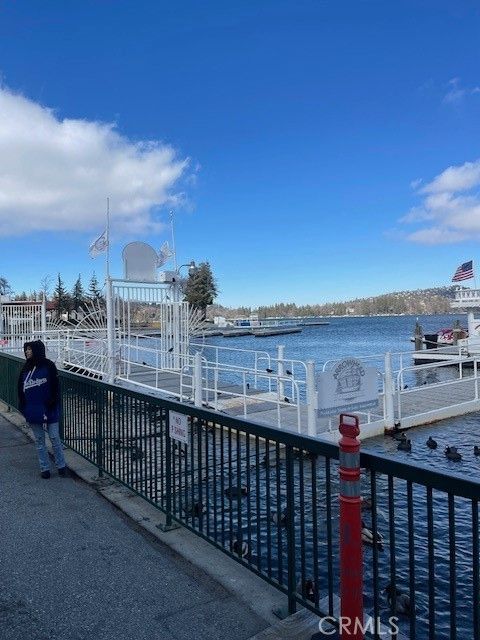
<point x="433" y="300"/>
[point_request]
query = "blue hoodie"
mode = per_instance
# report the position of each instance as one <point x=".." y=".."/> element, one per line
<point x="38" y="388"/>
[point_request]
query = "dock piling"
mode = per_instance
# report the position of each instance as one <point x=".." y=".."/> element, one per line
<point x="418" y="337"/>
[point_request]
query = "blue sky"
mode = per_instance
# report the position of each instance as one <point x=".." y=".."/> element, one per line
<point x="312" y="150"/>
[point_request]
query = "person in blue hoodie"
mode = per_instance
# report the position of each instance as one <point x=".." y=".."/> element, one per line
<point x="39" y="401"/>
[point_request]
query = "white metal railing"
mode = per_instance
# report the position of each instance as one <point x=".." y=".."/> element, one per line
<point x="217" y="379"/>
<point x="467" y="294"/>
<point x="91" y="362"/>
<point x="469" y="383"/>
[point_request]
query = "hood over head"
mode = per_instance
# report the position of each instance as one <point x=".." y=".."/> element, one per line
<point x="38" y="351"/>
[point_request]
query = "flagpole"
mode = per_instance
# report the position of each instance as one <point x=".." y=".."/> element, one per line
<point x="107" y="256"/>
<point x="173" y="243"/>
<point x="110" y="307"/>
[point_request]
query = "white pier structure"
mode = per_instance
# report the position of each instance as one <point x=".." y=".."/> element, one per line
<point x="111" y="343"/>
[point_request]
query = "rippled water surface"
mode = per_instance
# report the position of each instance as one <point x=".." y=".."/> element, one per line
<point x="366" y="336"/>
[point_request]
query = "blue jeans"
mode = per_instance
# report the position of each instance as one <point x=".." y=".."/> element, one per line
<point x="53" y="434"/>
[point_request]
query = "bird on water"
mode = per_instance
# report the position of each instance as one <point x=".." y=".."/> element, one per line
<point x="404" y="445"/>
<point x="402" y="600"/>
<point x="453" y="454"/>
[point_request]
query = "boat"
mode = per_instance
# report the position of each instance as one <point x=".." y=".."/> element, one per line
<point x="443" y="337"/>
<point x="256" y="327"/>
<point x="451" y="344"/>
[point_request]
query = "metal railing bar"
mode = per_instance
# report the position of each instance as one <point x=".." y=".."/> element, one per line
<point x="411" y="559"/>
<point x="452" y="567"/>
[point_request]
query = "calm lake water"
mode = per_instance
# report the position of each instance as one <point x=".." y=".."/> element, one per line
<point x="366" y="336"/>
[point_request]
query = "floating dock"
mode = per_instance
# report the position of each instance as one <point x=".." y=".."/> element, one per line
<point x="274" y="331"/>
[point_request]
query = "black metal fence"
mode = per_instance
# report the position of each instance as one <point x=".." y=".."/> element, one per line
<point x="269" y="499"/>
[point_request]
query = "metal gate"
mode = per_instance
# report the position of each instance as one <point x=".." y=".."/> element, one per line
<point x="19" y="321"/>
<point x="137" y="305"/>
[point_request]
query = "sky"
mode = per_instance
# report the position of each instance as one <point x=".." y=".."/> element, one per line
<point x="310" y="150"/>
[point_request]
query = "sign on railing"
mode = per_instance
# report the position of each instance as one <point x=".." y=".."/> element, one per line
<point x="349" y="386"/>
<point x="178" y="426"/>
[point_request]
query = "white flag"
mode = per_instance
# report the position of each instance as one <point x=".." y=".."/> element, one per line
<point x="99" y="246"/>
<point x="164" y="254"/>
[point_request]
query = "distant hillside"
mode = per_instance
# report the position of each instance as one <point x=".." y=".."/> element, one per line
<point x="421" y="301"/>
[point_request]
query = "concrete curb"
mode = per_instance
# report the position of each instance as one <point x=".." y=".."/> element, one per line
<point x="253" y="591"/>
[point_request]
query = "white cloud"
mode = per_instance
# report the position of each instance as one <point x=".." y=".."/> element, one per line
<point x="451" y="204"/>
<point x="454" y="179"/>
<point x="456" y="93"/>
<point x="56" y="174"/>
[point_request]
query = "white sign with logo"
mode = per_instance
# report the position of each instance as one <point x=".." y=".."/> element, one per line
<point x="178" y="426"/>
<point x="349" y="386"/>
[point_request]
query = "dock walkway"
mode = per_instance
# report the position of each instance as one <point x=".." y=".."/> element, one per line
<point x="413" y="406"/>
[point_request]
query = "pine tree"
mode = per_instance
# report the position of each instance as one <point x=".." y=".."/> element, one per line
<point x="61" y="298"/>
<point x="201" y="288"/>
<point x="94" y="291"/>
<point x="78" y="294"/>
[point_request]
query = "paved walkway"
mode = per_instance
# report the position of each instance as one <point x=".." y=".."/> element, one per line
<point x="73" y="567"/>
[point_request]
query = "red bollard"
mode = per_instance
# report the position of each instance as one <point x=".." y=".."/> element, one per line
<point x="351" y="557"/>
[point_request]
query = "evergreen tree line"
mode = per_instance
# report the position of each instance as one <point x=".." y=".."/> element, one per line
<point x="200" y="289"/>
<point x="424" y="301"/>
<point x="65" y="300"/>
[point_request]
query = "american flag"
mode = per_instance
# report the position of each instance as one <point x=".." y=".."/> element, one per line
<point x="464" y="272"/>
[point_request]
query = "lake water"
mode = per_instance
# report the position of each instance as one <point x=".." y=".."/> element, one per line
<point x="362" y="337"/>
<point x="366" y="336"/>
<point x="345" y="336"/>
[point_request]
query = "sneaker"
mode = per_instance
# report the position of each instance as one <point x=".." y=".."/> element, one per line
<point x="62" y="472"/>
<point x="45" y="475"/>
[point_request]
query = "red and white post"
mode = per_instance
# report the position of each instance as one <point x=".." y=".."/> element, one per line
<point x="351" y="558"/>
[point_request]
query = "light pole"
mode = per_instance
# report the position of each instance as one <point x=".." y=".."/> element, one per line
<point x="179" y="281"/>
<point x="191" y="267"/>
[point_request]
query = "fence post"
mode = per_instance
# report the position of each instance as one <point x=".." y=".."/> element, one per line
<point x="281" y="369"/>
<point x="100" y="430"/>
<point x="311" y="400"/>
<point x="197" y="379"/>
<point x="475" y="376"/>
<point x="167" y="478"/>
<point x="388" y="391"/>
<point x="351" y="563"/>
<point x="292" y="582"/>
